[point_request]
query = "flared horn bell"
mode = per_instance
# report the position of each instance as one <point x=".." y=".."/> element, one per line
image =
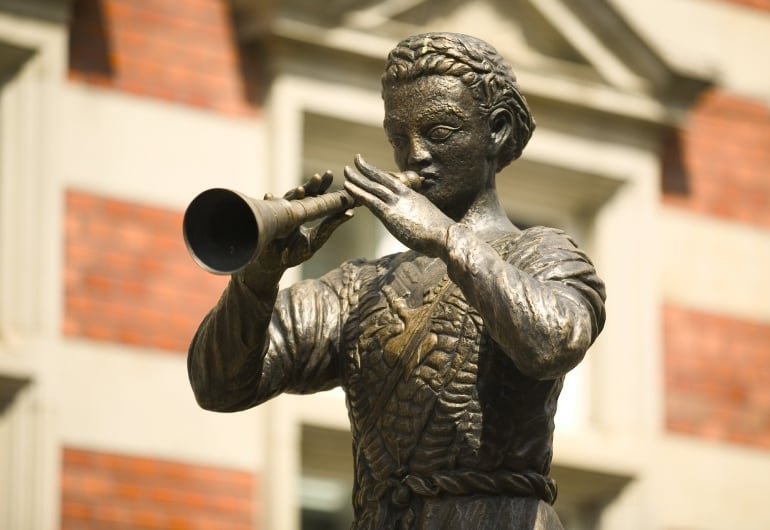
<point x="224" y="230"/>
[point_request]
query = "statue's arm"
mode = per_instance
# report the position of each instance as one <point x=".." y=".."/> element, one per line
<point x="546" y="317"/>
<point x="258" y="342"/>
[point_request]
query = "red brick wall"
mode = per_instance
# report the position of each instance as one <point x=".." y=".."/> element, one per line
<point x="178" y="50"/>
<point x="128" y="277"/>
<point x="720" y="164"/>
<point x="717" y="376"/>
<point x="108" y="491"/>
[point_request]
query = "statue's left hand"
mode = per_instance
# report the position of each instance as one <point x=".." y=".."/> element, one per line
<point x="408" y="215"/>
<point x="302" y="242"/>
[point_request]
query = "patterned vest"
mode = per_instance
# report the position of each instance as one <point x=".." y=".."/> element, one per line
<point x="435" y="407"/>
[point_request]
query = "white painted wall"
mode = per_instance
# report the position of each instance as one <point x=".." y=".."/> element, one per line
<point x="710" y="486"/>
<point x="136" y="401"/>
<point x="714" y="265"/>
<point x="153" y="151"/>
<point x="716" y="39"/>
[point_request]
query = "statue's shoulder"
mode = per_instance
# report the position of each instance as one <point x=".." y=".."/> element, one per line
<point x="541" y="249"/>
<point x="536" y="239"/>
<point x="546" y="235"/>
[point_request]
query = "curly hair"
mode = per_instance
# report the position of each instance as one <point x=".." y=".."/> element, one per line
<point x="480" y="68"/>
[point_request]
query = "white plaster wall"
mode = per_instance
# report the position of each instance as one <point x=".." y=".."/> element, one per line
<point x="154" y="151"/>
<point x="724" y="42"/>
<point x="139" y="402"/>
<point x="710" y="486"/>
<point x="714" y="265"/>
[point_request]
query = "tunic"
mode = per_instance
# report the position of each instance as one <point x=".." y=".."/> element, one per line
<point x="448" y="432"/>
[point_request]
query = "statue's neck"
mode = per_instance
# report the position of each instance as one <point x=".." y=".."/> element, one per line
<point x="486" y="216"/>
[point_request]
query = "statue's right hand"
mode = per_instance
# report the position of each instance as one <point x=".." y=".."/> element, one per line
<point x="301" y="243"/>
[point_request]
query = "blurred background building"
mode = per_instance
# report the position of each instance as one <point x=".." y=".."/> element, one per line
<point x="652" y="148"/>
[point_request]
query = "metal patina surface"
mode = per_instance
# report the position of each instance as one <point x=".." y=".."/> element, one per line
<point x="451" y="354"/>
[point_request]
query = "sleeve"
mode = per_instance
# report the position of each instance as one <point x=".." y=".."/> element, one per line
<point x="543" y="305"/>
<point x="254" y="345"/>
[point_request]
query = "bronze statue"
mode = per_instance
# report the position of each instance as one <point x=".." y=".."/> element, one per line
<point x="451" y="354"/>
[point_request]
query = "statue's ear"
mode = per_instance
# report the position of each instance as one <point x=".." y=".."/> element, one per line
<point x="501" y="127"/>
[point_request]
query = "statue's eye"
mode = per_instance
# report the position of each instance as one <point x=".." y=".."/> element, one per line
<point x="440" y="133"/>
<point x="397" y="141"/>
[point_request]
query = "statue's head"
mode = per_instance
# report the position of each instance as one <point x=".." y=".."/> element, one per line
<point x="478" y="66"/>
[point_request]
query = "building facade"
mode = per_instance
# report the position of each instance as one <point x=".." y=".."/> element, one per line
<point x="652" y="149"/>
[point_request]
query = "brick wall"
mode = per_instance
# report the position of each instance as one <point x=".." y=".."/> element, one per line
<point x="178" y="50"/>
<point x="128" y="277"/>
<point x="717" y="376"/>
<point x="720" y="164"/>
<point x="110" y="491"/>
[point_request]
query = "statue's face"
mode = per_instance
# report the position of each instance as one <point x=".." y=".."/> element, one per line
<point x="437" y="130"/>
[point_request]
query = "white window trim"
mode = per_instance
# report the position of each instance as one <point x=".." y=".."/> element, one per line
<point x="30" y="270"/>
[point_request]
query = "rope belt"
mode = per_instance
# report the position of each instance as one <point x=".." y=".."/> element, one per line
<point x="464" y="483"/>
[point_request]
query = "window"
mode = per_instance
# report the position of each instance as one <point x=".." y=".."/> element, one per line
<point x="331" y="143"/>
<point x="326" y="483"/>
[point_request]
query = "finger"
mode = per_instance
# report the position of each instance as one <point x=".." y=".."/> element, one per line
<point x="365" y="198"/>
<point x="296" y="193"/>
<point x="326" y="180"/>
<point x="382" y="177"/>
<point x="369" y="187"/>
<point x="269" y="196"/>
<point x="312" y="185"/>
<point x="328" y="226"/>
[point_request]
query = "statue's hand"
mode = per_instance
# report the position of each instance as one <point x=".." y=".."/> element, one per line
<point x="408" y="215"/>
<point x="301" y="243"/>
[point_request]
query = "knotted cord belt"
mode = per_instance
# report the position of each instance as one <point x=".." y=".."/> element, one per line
<point x="463" y="483"/>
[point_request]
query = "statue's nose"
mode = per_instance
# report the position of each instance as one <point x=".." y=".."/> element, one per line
<point x="419" y="154"/>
